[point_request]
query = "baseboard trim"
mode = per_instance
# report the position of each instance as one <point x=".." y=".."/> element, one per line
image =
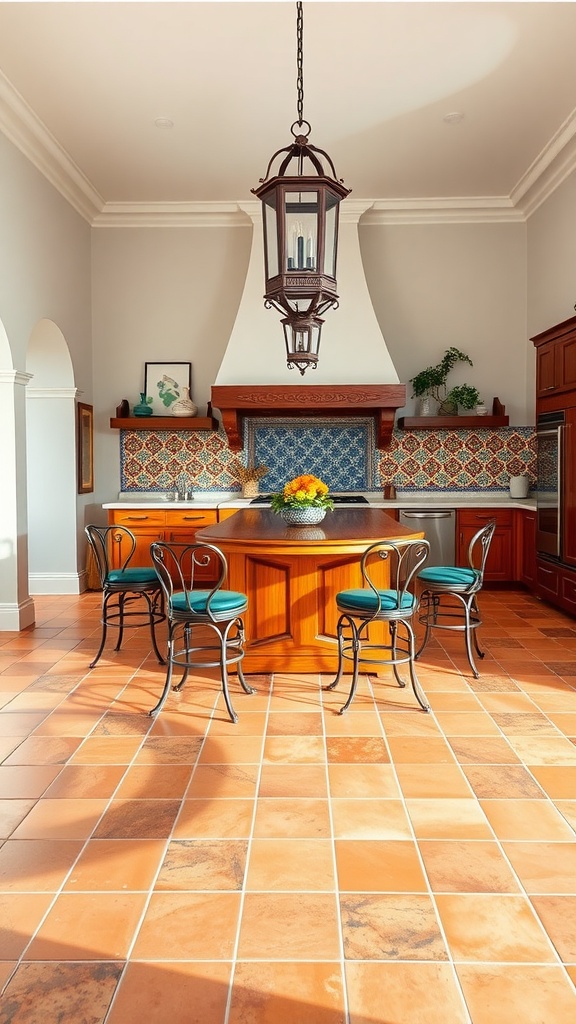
<point x="46" y="583"/>
<point x="15" y="617"/>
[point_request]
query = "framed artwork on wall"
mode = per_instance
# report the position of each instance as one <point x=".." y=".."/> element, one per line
<point x="85" y="447"/>
<point x="164" y="383"/>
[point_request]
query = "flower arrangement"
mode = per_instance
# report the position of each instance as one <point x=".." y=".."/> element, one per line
<point x="305" y="491"/>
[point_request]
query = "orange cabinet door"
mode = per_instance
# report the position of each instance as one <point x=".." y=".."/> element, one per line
<point x="181" y="529"/>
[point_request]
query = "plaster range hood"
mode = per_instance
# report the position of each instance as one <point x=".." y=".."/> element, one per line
<point x="253" y="379"/>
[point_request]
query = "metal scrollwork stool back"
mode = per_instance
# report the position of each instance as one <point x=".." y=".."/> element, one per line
<point x="205" y="626"/>
<point x="125" y="585"/>
<point x="448" y="599"/>
<point x="395" y="605"/>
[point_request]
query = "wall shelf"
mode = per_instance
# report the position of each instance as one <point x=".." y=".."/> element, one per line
<point x="164" y="423"/>
<point x="497" y="419"/>
<point x="451" y="422"/>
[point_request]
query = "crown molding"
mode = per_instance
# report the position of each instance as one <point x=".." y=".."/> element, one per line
<point x="552" y="166"/>
<point x="442" y="210"/>
<point x="30" y="135"/>
<point x="173" y="215"/>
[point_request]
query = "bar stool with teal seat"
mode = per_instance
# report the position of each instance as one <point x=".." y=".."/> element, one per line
<point x="448" y="599"/>
<point x="396" y="606"/>
<point x="205" y="625"/>
<point x="124" y="586"/>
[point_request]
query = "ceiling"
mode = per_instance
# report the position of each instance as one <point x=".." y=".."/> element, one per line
<point x="82" y="85"/>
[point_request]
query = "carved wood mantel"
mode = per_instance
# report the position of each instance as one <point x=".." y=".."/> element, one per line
<point x="378" y="400"/>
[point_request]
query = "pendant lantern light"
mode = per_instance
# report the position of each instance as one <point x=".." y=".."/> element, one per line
<point x="300" y="207"/>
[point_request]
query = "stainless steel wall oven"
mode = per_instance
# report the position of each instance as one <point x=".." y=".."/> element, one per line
<point x="549" y="448"/>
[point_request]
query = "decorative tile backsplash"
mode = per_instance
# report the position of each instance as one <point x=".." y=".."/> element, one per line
<point x="341" y="452"/>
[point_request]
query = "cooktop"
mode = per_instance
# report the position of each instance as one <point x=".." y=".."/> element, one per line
<point x="338" y="499"/>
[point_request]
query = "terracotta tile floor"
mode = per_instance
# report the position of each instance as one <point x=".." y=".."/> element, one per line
<point x="383" y="867"/>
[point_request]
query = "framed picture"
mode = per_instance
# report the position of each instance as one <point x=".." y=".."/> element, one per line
<point x="85" y="447"/>
<point x="164" y="383"/>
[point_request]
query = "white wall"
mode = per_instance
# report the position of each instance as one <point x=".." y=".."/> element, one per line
<point x="159" y="293"/>
<point x="552" y="259"/>
<point x="44" y="274"/>
<point x="438" y="285"/>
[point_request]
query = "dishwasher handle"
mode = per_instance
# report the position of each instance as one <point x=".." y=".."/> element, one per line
<point x="428" y="515"/>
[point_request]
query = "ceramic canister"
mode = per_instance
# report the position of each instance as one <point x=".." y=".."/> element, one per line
<point x="519" y="486"/>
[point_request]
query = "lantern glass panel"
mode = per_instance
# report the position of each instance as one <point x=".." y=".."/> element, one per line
<point x="271" y="237"/>
<point x="330" y="235"/>
<point x="301" y="230"/>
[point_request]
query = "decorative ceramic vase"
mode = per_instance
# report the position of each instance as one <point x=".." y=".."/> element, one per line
<point x="142" y="409"/>
<point x="303" y="516"/>
<point x="424" y="406"/>
<point x="184" y="406"/>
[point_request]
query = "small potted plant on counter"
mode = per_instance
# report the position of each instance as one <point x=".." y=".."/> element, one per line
<point x="431" y="382"/>
<point x="465" y="397"/>
<point x="249" y="477"/>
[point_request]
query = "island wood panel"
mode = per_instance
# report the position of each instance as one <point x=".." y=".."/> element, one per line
<point x="292" y="575"/>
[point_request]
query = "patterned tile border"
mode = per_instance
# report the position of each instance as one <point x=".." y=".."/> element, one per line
<point x="343" y="453"/>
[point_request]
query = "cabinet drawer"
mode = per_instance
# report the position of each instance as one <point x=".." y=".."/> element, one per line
<point x="477" y="517"/>
<point x="192" y="518"/>
<point x="547" y="579"/>
<point x="133" y="517"/>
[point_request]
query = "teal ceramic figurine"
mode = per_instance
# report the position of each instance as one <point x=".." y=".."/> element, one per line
<point x="143" y="407"/>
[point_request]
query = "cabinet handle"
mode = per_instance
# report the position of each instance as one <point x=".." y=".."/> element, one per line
<point x="192" y="519"/>
<point x="548" y="572"/>
<point x="136" y="519"/>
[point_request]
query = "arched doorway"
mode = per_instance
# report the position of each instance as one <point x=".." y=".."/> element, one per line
<point x="51" y="463"/>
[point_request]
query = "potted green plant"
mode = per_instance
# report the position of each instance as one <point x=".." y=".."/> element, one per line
<point x="465" y="396"/>
<point x="431" y="382"/>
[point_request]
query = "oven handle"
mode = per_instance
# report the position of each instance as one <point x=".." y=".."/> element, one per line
<point x="549" y="432"/>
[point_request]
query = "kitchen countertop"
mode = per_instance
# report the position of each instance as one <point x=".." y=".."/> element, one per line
<point x="409" y="500"/>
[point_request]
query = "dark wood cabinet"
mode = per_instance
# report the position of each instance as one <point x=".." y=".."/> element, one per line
<point x="557" y="584"/>
<point x="556" y="359"/>
<point x="526" y="547"/>
<point x="500" y="565"/>
<point x="556" y="392"/>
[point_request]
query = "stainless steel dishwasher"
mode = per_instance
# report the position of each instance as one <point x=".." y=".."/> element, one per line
<point x="439" y="526"/>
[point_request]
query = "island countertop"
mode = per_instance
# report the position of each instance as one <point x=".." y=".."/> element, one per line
<point x="349" y="529"/>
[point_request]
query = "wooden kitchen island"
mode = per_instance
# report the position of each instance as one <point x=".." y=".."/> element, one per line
<point x="292" y="575"/>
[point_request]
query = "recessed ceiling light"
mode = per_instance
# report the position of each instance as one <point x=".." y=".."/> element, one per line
<point x="164" y="122"/>
<point x="454" y="118"/>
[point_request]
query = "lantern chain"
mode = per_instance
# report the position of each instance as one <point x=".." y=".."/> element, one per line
<point x="300" y="62"/>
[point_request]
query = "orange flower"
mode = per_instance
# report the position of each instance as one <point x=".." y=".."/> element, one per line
<point x="305" y="489"/>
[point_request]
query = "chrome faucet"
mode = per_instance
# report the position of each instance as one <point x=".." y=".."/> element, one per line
<point x="182" y="487"/>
